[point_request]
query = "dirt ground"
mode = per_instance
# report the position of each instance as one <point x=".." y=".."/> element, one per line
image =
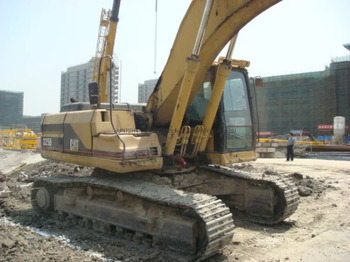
<point x="318" y="231"/>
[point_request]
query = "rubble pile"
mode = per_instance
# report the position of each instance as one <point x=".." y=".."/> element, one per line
<point x="308" y="186"/>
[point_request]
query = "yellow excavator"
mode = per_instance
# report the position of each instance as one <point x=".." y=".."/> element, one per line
<point x="163" y="173"/>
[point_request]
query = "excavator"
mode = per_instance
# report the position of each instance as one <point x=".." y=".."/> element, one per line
<point x="164" y="173"/>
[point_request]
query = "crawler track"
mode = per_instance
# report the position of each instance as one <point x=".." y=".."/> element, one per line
<point x="196" y="225"/>
<point x="285" y="193"/>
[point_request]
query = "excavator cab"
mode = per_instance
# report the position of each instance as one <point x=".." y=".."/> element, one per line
<point x="232" y="137"/>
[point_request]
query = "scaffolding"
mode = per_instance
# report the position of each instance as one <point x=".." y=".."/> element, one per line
<point x="303" y="101"/>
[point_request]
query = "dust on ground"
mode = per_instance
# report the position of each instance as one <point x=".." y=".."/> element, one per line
<point x="318" y="231"/>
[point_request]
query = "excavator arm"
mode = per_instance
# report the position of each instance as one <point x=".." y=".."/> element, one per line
<point x="226" y="18"/>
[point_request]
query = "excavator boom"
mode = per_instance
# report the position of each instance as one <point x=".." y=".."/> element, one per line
<point x="226" y="19"/>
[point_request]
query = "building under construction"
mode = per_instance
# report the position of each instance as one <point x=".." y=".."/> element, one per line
<point x="305" y="101"/>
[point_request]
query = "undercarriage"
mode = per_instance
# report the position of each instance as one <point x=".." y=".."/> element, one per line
<point x="186" y="212"/>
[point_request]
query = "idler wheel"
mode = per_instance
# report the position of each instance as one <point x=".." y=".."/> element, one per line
<point x="43" y="198"/>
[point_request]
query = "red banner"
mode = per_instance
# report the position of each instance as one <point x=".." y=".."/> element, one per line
<point x="327" y="127"/>
<point x="266" y="133"/>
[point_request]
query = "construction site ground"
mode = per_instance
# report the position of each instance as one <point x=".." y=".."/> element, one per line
<point x="318" y="231"/>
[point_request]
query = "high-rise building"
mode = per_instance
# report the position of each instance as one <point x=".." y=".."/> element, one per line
<point x="146" y="89"/>
<point x="11" y="108"/>
<point x="75" y="81"/>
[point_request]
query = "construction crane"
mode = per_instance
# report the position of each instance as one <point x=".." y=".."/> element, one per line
<point x="104" y="50"/>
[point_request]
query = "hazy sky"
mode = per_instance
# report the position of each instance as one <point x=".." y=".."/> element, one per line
<point x="41" y="38"/>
